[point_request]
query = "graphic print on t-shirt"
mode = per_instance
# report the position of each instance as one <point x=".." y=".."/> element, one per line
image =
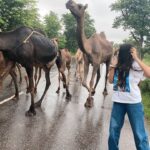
<point x="116" y="87"/>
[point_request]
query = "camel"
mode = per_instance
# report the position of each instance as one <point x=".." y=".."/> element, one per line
<point x="29" y="48"/>
<point x="96" y="50"/>
<point x="79" y="65"/>
<point x="63" y="61"/>
<point x="38" y="69"/>
<point x="8" y="67"/>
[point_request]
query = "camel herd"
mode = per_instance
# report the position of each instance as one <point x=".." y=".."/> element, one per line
<point x="35" y="52"/>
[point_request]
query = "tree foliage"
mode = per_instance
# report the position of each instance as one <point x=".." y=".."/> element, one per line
<point x="70" y="26"/>
<point x="134" y="16"/>
<point x="14" y="13"/>
<point x="62" y="41"/>
<point x="52" y="25"/>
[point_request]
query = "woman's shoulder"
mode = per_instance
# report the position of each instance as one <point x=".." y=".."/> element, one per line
<point x="136" y="67"/>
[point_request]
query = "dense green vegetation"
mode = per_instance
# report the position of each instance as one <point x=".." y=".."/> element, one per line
<point x="145" y="88"/>
<point x="134" y="16"/>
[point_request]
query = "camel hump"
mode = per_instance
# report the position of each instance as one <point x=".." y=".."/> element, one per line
<point x="102" y="35"/>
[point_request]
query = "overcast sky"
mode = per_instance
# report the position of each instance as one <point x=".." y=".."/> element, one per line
<point x="99" y="10"/>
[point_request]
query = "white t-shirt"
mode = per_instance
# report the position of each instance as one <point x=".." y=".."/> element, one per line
<point x="134" y="94"/>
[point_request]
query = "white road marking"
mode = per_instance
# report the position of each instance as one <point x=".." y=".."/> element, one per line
<point x="10" y="98"/>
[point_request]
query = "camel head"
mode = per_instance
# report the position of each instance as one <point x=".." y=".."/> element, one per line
<point x="77" y="10"/>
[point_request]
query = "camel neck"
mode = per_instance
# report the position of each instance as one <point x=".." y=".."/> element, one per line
<point x="81" y="34"/>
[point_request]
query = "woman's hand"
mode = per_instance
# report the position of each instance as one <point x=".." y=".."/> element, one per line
<point x="134" y="53"/>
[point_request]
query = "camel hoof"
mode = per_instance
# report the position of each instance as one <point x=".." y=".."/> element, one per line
<point x="15" y="98"/>
<point x="37" y="104"/>
<point x="30" y="113"/>
<point x="68" y="96"/>
<point x="28" y="91"/>
<point x="105" y="93"/>
<point x="64" y="86"/>
<point x="89" y="102"/>
<point x="35" y="91"/>
<point x="57" y="91"/>
<point x="93" y="92"/>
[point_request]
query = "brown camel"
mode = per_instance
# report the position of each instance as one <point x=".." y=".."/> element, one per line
<point x="96" y="50"/>
<point x="29" y="48"/>
<point x="38" y="70"/>
<point x="79" y="65"/>
<point x="8" y="67"/>
<point x="63" y="61"/>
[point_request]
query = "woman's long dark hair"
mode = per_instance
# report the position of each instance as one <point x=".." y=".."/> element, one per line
<point x="125" y="61"/>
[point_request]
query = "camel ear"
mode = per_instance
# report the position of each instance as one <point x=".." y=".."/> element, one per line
<point x="86" y="6"/>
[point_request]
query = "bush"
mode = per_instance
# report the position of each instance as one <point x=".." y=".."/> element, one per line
<point x="145" y="86"/>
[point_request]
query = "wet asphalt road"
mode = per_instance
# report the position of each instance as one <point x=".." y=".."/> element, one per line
<point x="59" y="124"/>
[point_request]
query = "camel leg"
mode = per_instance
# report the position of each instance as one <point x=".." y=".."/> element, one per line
<point x="58" y="90"/>
<point x="12" y="80"/>
<point x="68" y="95"/>
<point x="89" y="102"/>
<point x="35" y="74"/>
<point x="86" y="70"/>
<point x="39" y="77"/>
<point x="81" y="73"/>
<point x="68" y="77"/>
<point x="27" y="83"/>
<point x="7" y="70"/>
<point x="76" y="70"/>
<point x="97" y="80"/>
<point x="13" y="75"/>
<point x="35" y="79"/>
<point x="47" y="70"/>
<point x="31" y="110"/>
<point x="107" y="67"/>
<point x="20" y="74"/>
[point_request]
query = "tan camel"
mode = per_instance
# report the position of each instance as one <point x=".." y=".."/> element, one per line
<point x="8" y="67"/>
<point x="96" y="50"/>
<point x="79" y="65"/>
<point x="63" y="61"/>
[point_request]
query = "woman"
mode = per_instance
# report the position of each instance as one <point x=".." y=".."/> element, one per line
<point x="125" y="74"/>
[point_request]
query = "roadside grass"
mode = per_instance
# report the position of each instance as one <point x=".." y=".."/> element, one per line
<point x="147" y="59"/>
<point x="145" y="88"/>
<point x="146" y="103"/>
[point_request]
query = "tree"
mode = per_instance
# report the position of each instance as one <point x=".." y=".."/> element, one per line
<point x="61" y="41"/>
<point x="52" y="25"/>
<point x="18" y="12"/>
<point x="70" y="26"/>
<point x="134" y="16"/>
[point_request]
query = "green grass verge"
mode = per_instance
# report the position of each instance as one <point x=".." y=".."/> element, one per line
<point x="147" y="59"/>
<point x="146" y="93"/>
<point x="146" y="102"/>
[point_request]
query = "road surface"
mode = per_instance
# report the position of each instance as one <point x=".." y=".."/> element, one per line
<point x="59" y="124"/>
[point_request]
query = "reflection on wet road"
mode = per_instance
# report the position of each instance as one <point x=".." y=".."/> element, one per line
<point x="60" y="124"/>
